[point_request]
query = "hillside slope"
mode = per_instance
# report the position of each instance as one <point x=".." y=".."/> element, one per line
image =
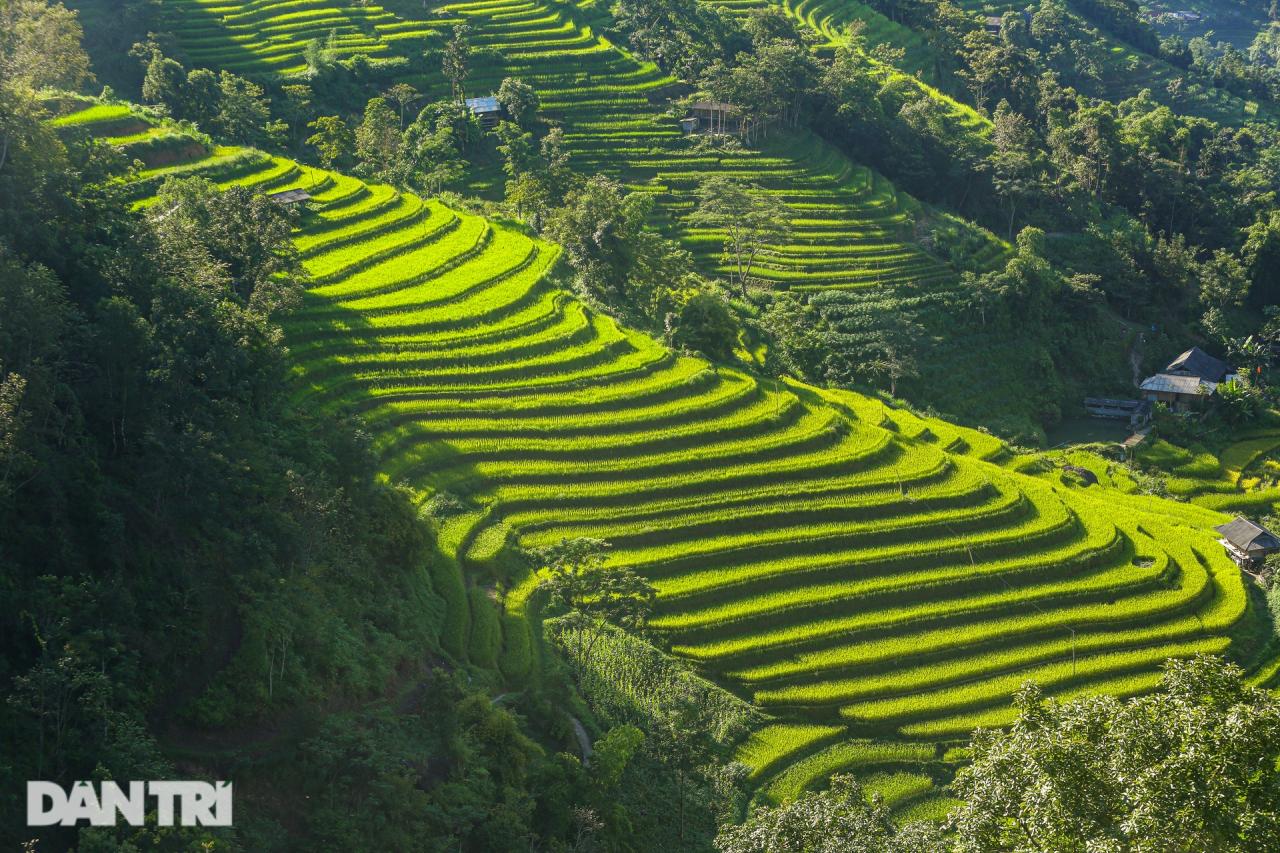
<point x="884" y="580"/>
<point x="850" y="228"/>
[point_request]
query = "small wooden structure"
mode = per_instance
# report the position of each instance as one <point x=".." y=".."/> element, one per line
<point x="288" y="198"/>
<point x="1179" y="393"/>
<point x="1136" y="412"/>
<point x="690" y="124"/>
<point x="1131" y="443"/>
<point x="715" y="117"/>
<point x="488" y="109"/>
<point x="1247" y="543"/>
<point x="1188" y="382"/>
<point x="992" y="24"/>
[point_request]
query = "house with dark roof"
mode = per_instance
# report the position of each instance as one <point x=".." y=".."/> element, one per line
<point x="1188" y="382"/>
<point x="1197" y="362"/>
<point x="1249" y="544"/>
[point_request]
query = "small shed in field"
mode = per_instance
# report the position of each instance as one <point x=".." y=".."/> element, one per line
<point x="715" y="116"/>
<point x="1247" y="543"/>
<point x="488" y="109"/>
<point x="992" y="24"/>
<point x="289" y="198"/>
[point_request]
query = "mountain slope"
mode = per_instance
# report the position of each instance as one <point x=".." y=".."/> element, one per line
<point x="835" y="560"/>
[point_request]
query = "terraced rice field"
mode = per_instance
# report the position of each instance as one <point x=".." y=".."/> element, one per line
<point x="851" y="229"/>
<point x="257" y="36"/>
<point x="879" y="582"/>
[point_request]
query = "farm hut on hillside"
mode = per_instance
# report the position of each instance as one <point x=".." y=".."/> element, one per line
<point x="488" y="109"/>
<point x="1179" y="393"/>
<point x="992" y="24"/>
<point x="1188" y="382"/>
<point x="289" y="198"/>
<point x="1247" y="543"/>
<point x="715" y="116"/>
<point x="1197" y="362"/>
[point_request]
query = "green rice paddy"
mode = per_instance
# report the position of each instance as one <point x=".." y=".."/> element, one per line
<point x="878" y="582"/>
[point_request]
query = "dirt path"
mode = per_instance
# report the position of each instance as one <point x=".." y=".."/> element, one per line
<point x="1135" y="359"/>
<point x="584" y="740"/>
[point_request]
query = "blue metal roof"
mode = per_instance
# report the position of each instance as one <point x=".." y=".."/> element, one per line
<point x="484" y="105"/>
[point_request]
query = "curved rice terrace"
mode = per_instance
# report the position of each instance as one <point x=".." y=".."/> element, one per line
<point x="850" y="228"/>
<point x="877" y="582"/>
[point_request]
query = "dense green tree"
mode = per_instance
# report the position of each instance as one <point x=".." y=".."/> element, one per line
<point x="240" y="239"/>
<point x="516" y="147"/>
<point x="333" y="140"/>
<point x="520" y="100"/>
<point x="163" y="82"/>
<point x="617" y="259"/>
<point x="592" y="592"/>
<point x="1012" y="159"/>
<point x="200" y="98"/>
<point x="456" y="62"/>
<point x="837" y="820"/>
<point x="430" y="155"/>
<point x="706" y="325"/>
<point x="378" y="139"/>
<point x="296" y="107"/>
<point x="403" y="96"/>
<point x="243" y="109"/>
<point x="530" y="196"/>
<point x="40" y="45"/>
<point x="1190" y="767"/>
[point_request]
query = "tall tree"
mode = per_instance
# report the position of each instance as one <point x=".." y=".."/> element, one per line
<point x="456" y="62"/>
<point x="750" y="219"/>
<point x="403" y="96"/>
<point x="579" y="580"/>
<point x="163" y="82"/>
<point x="1011" y="160"/>
<point x="378" y="139"/>
<point x="40" y="45"/>
<point x="243" y="110"/>
<point x="333" y="140"/>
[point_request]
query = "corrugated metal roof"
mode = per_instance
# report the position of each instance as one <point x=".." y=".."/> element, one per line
<point x="1164" y="382"/>
<point x="487" y="104"/>
<point x="290" y="196"/>
<point x="1247" y="536"/>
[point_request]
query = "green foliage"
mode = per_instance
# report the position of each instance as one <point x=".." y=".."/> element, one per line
<point x="520" y="100"/>
<point x="705" y="325"/>
<point x="1190" y="765"/>
<point x="839" y="818"/>
<point x="40" y="46"/>
<point x="616" y="257"/>
<point x="333" y="140"/>
<point x="486" y="630"/>
<point x="377" y="139"/>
